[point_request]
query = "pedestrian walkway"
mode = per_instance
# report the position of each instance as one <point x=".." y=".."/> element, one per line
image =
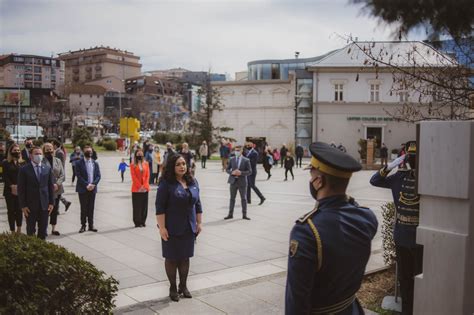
<point x="227" y="252"/>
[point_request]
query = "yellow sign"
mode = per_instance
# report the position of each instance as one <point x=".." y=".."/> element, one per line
<point x="129" y="128"/>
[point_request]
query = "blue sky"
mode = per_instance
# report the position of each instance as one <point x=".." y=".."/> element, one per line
<point x="194" y="34"/>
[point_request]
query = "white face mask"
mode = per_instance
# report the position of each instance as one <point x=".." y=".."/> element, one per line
<point x="237" y="153"/>
<point x="37" y="158"/>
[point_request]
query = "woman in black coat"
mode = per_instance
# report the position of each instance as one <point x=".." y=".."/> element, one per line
<point x="268" y="162"/>
<point x="11" y="166"/>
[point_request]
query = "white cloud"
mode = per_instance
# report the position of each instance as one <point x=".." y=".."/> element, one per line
<point x="194" y="34"/>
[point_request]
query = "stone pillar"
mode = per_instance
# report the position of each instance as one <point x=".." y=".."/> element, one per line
<point x="370" y="153"/>
<point x="446" y="186"/>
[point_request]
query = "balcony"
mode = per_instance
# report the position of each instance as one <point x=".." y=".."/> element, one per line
<point x="98" y="68"/>
<point x="75" y="70"/>
<point x="88" y="76"/>
<point x="75" y="78"/>
<point x="88" y="69"/>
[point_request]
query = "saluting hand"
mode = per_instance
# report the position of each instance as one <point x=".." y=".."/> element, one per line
<point x="164" y="234"/>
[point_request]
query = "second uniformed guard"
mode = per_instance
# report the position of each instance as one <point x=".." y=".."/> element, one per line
<point x="329" y="246"/>
<point x="407" y="204"/>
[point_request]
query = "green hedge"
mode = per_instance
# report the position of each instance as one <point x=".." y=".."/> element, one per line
<point x="39" y="277"/>
<point x="109" y="145"/>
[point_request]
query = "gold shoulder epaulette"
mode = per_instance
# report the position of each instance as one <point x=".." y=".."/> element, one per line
<point x="308" y="215"/>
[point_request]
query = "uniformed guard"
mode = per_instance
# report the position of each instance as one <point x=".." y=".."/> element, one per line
<point x="329" y="246"/>
<point x="407" y="205"/>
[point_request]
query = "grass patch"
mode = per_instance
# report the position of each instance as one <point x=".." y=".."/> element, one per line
<point x="374" y="288"/>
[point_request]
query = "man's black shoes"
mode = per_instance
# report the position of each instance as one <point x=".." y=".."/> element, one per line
<point x="68" y="204"/>
<point x="83" y="229"/>
<point x="245" y="217"/>
<point x="261" y="201"/>
<point x="228" y="217"/>
<point x="91" y="228"/>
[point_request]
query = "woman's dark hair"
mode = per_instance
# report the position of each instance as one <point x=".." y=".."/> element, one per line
<point x="169" y="174"/>
<point x="135" y="155"/>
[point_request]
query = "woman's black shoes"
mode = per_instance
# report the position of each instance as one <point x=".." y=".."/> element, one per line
<point x="185" y="292"/>
<point x="174" y="296"/>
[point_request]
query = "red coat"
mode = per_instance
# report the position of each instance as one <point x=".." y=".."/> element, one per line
<point x="140" y="177"/>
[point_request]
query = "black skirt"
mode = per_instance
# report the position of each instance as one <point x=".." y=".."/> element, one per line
<point x="179" y="247"/>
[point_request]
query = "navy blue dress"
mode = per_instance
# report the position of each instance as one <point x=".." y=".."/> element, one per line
<point x="180" y="207"/>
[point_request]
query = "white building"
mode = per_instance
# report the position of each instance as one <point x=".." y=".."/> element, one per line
<point x="257" y="109"/>
<point x="337" y="98"/>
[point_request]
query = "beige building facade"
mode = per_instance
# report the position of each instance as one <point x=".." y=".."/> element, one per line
<point x="257" y="109"/>
<point x="98" y="62"/>
<point x="31" y="71"/>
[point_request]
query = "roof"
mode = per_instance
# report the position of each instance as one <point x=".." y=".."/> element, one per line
<point x="87" y="89"/>
<point x="401" y="54"/>
<point x="294" y="60"/>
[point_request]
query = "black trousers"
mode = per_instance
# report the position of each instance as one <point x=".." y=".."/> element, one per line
<point x="250" y="186"/>
<point x="87" y="201"/>
<point x="140" y="207"/>
<point x="289" y="170"/>
<point x="410" y="264"/>
<point x="299" y="160"/>
<point x="13" y="211"/>
<point x="203" y="161"/>
<point x="121" y="174"/>
<point x="39" y="217"/>
<point x="53" y="217"/>
<point x="73" y="173"/>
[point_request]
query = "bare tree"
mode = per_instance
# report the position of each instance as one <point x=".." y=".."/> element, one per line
<point x="431" y="85"/>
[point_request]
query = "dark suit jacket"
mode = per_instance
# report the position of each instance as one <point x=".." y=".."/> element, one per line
<point x="34" y="194"/>
<point x="179" y="209"/>
<point x="244" y="168"/>
<point x="252" y="155"/>
<point x="25" y="155"/>
<point x="82" y="178"/>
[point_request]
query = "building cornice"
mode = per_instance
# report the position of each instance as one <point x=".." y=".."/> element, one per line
<point x="249" y="82"/>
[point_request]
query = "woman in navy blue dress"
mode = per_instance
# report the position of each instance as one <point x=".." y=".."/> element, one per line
<point x="178" y="213"/>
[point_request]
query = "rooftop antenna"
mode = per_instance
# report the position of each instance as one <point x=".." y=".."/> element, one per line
<point x="297" y="54"/>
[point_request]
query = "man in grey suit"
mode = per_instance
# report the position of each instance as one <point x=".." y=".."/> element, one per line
<point x="238" y="169"/>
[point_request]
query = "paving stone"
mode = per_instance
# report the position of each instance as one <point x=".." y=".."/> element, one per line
<point x="185" y="307"/>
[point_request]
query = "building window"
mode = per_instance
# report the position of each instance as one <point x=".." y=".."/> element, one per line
<point x="338" y="92"/>
<point x="47" y="62"/>
<point x="375" y="92"/>
<point x="29" y="60"/>
<point x="28" y="69"/>
<point x="403" y="96"/>
<point x="37" y="77"/>
<point x="28" y="76"/>
<point x="275" y="71"/>
<point x="18" y="59"/>
<point x="37" y="69"/>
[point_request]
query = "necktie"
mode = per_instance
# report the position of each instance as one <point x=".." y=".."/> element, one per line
<point x="38" y="172"/>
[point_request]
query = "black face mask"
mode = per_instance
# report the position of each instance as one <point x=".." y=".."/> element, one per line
<point x="139" y="158"/>
<point x="312" y="190"/>
<point x="16" y="154"/>
<point x="88" y="154"/>
<point x="28" y="145"/>
<point x="48" y="154"/>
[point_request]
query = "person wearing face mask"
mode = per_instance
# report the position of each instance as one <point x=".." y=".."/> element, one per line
<point x="238" y="169"/>
<point x="36" y="193"/>
<point x="331" y="245"/>
<point x="11" y="167"/>
<point x="252" y="155"/>
<point x="88" y="176"/>
<point x="25" y="153"/>
<point x="75" y="156"/>
<point x="59" y="177"/>
<point x="407" y="205"/>
<point x="140" y="172"/>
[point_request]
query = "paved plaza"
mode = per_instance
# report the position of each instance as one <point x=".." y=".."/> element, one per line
<point x="239" y="266"/>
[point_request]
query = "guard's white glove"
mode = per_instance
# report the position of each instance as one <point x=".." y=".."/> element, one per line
<point x="395" y="163"/>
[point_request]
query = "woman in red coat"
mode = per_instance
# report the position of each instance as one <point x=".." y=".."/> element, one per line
<point x="140" y="172"/>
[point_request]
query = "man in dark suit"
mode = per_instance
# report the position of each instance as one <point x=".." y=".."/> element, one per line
<point x="36" y="193"/>
<point x="252" y="155"/>
<point x="88" y="176"/>
<point x="25" y="153"/>
<point x="238" y="169"/>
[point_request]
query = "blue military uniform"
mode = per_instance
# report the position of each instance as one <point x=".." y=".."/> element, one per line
<point x="330" y="246"/>
<point x="407" y="205"/>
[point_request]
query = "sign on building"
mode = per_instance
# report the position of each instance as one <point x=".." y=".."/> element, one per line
<point x="10" y="97"/>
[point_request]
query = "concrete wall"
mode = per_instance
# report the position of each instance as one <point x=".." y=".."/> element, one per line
<point x="258" y="109"/>
<point x="446" y="186"/>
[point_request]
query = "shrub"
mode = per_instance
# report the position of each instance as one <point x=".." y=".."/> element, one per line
<point x="43" y="278"/>
<point x="81" y="137"/>
<point x="110" y="145"/>
<point x="388" y="243"/>
<point x="4" y="134"/>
